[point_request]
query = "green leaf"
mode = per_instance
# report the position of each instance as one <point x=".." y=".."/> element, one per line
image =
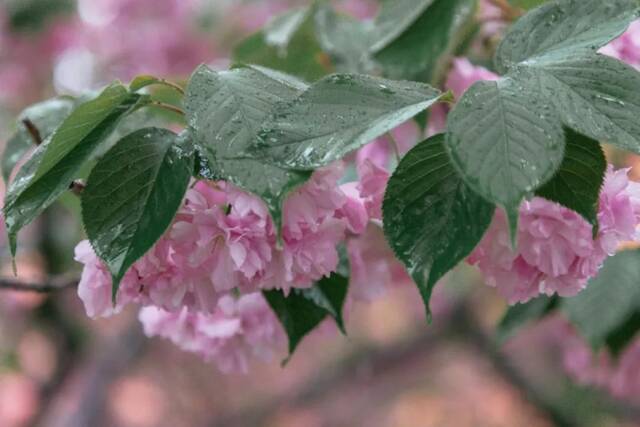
<point x="345" y="39"/>
<point x="527" y="4"/>
<point x="504" y="144"/>
<point x="563" y="29"/>
<point x="596" y="95"/>
<point x="225" y="111"/>
<point x="519" y="315"/>
<point x="432" y="220"/>
<point x="576" y="185"/>
<point x="288" y="43"/>
<point x="46" y="116"/>
<point x="132" y="195"/>
<point x="304" y="309"/>
<point x="337" y="115"/>
<point x="609" y="301"/>
<point x="425" y="47"/>
<point x="57" y="161"/>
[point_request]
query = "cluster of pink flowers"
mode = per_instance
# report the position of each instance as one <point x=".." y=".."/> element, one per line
<point x="619" y="376"/>
<point x="223" y="243"/>
<point x="556" y="252"/>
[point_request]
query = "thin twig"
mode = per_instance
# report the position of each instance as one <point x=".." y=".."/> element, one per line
<point x="168" y="107"/>
<point x="394" y="146"/>
<point x="51" y="285"/>
<point x="33" y="131"/>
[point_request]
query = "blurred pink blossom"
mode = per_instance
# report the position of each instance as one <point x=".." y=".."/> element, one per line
<point x="239" y="329"/>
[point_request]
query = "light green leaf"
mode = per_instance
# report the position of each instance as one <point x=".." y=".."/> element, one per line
<point x="46" y="116"/>
<point x="345" y="39"/>
<point x="57" y="161"/>
<point x="596" y="95"/>
<point x="337" y="115"/>
<point x="563" y="29"/>
<point x="610" y="299"/>
<point x="132" y="195"/>
<point x="304" y="309"/>
<point x="504" y="144"/>
<point x="225" y="111"/>
<point x="432" y="220"/>
<point x="288" y="44"/>
<point x="425" y="47"/>
<point x="527" y="4"/>
<point x="576" y="185"/>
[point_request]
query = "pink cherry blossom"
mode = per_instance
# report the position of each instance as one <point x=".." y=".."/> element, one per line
<point x="373" y="182"/>
<point x="627" y="47"/>
<point x="556" y="252"/>
<point x="239" y="329"/>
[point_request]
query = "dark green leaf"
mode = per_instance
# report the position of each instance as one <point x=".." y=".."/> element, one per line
<point x="288" y="44"/>
<point x="225" y="111"/>
<point x="304" y="309"/>
<point x="576" y="185"/>
<point x="609" y="300"/>
<point x="34" y="15"/>
<point x="563" y="29"/>
<point x="519" y="315"/>
<point x="621" y="337"/>
<point x="504" y="144"/>
<point x="432" y="220"/>
<point x="425" y="46"/>
<point x="132" y="196"/>
<point x="46" y="116"/>
<point x="396" y="17"/>
<point x="336" y="115"/>
<point x="56" y="162"/>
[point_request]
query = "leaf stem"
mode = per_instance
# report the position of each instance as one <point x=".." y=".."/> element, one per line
<point x="167" y="107"/>
<point x="172" y="85"/>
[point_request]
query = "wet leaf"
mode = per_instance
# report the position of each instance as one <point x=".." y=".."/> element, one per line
<point x="304" y="309"/>
<point x="563" y="29"/>
<point x="396" y="17"/>
<point x="46" y="116"/>
<point x="58" y="161"/>
<point x="132" y="195"/>
<point x="225" y="111"/>
<point x="503" y="142"/>
<point x="432" y="220"/>
<point x="337" y="115"/>
<point x="576" y="185"/>
<point x="609" y="301"/>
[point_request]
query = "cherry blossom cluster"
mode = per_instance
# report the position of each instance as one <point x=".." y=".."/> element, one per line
<point x="556" y="252"/>
<point x="207" y="271"/>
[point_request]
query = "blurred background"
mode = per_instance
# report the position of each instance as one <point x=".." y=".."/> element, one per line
<point x="59" y="368"/>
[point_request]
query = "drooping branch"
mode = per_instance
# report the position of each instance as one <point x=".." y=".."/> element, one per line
<point x="50" y="285"/>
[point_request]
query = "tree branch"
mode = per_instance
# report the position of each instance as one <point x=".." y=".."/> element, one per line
<point x="51" y="285"/>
